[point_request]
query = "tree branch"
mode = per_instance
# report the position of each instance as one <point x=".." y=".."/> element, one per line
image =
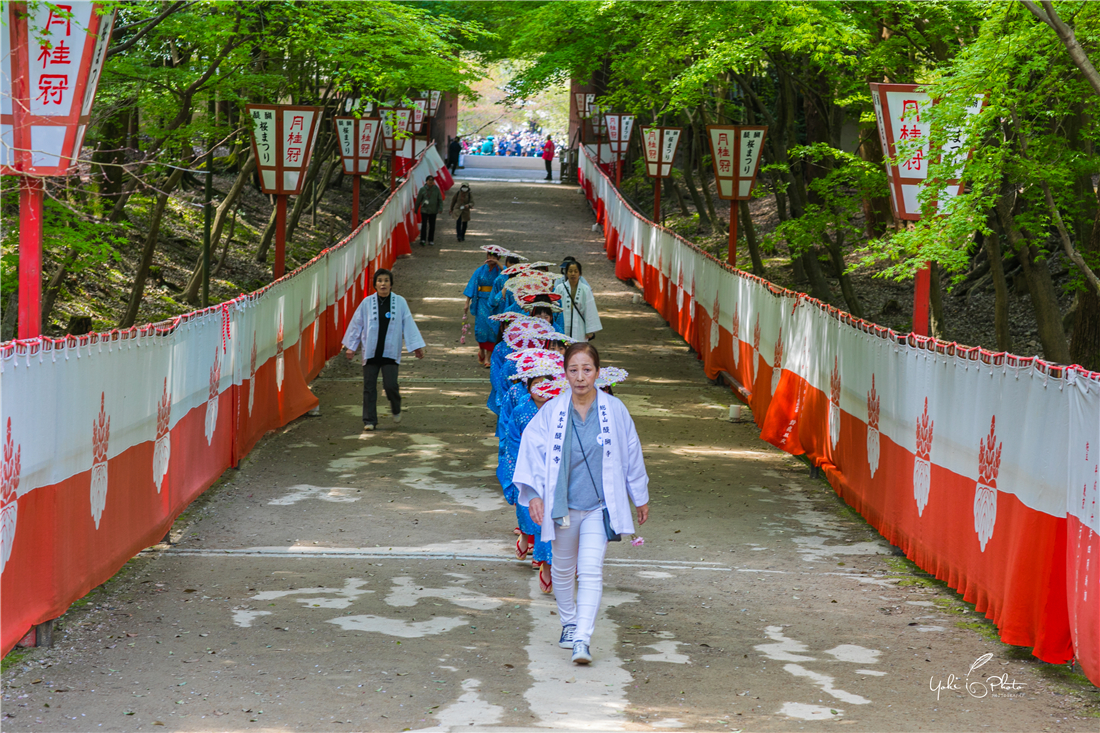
<point x="1048" y="15"/>
<point x="149" y="24"/>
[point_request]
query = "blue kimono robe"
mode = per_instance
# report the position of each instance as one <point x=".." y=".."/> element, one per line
<point x="479" y="291"/>
<point x="522" y="410"/>
<point x="498" y="377"/>
<point x="499" y="297"/>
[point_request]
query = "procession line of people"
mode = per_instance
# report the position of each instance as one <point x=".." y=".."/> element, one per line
<point x="569" y="457"/>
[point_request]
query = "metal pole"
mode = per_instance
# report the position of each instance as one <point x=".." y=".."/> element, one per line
<point x="207" y="217"/>
<point x="733" y="234"/>
<point x="30" y="257"/>
<point x="657" y="200"/>
<point x="280" y="235"/>
<point x="355" y="202"/>
<point x="921" y="291"/>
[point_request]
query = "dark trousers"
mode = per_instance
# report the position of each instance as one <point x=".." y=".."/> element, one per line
<point x="549" y="168"/>
<point x="427" y="226"/>
<point x="460" y="228"/>
<point x="370" y="390"/>
<point x="452" y="164"/>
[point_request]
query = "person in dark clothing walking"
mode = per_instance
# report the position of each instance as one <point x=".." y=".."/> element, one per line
<point x="454" y="150"/>
<point x="430" y="202"/>
<point x="461" y="204"/>
<point x="379" y="325"/>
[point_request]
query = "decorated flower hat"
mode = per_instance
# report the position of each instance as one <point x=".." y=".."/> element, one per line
<point x="495" y="249"/>
<point x="550" y="389"/>
<point x="610" y="376"/>
<point x="538" y="363"/>
<point x="508" y="316"/>
<point x="516" y="269"/>
<point x="529" y="302"/>
<point x="521" y="336"/>
<point x="529" y="281"/>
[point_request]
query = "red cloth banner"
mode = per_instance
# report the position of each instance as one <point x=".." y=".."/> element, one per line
<point x="108" y="437"/>
<point x="982" y="467"/>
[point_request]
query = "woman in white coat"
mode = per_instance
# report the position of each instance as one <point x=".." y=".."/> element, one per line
<point x="579" y="468"/>
<point x="578" y="306"/>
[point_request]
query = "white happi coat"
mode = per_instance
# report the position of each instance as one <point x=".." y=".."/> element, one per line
<point x="582" y="319"/>
<point x="624" y="476"/>
<point x="363" y="329"/>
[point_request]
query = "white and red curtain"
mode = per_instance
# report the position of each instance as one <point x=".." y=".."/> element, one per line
<point x="981" y="467"/>
<point x="108" y="437"/>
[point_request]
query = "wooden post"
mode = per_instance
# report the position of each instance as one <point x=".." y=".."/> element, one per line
<point x="921" y="290"/>
<point x="657" y="200"/>
<point x="355" y="202"/>
<point x="30" y="257"/>
<point x="733" y="234"/>
<point x="280" y="235"/>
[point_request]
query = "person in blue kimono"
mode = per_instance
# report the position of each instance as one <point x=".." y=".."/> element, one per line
<point x="499" y="296"/>
<point x="478" y="293"/>
<point x="524" y="406"/>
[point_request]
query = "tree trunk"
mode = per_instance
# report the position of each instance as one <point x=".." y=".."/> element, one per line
<point x="698" y="136"/>
<point x="689" y="180"/>
<point x="225" y="248"/>
<point x="321" y="158"/>
<point x="671" y="187"/>
<point x="835" y="248"/>
<point x="1000" y="291"/>
<point x="49" y="297"/>
<point x="265" y="238"/>
<point x="1040" y="286"/>
<point x="1085" y="344"/>
<point x="750" y="235"/>
<point x="10" y="319"/>
<point x="142" y="273"/>
<point x="937" y="318"/>
<point x="191" y="292"/>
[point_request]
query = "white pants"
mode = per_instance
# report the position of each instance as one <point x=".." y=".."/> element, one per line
<point x="579" y="550"/>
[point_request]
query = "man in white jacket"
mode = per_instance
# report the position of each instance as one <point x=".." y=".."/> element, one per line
<point x="379" y="325"/>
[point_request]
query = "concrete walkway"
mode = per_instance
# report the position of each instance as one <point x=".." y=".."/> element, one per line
<point x="342" y="581"/>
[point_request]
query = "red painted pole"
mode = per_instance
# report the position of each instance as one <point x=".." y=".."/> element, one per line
<point x="619" y="174"/>
<point x="921" y="291"/>
<point x="656" y="200"/>
<point x="280" y="235"/>
<point x="733" y="234"/>
<point x="393" y="172"/>
<point x="355" y="202"/>
<point x="30" y="257"/>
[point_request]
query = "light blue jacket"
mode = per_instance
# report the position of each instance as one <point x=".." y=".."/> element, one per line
<point x="363" y="329"/>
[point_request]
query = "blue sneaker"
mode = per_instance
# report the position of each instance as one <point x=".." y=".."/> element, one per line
<point x="581" y="654"/>
<point x="566" y="640"/>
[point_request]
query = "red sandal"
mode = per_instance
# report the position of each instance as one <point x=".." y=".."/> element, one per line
<point x="546" y="586"/>
<point x="522" y="554"/>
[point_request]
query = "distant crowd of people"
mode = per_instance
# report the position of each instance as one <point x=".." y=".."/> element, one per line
<point x="519" y="144"/>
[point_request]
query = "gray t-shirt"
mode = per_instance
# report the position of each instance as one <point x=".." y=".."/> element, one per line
<point x="583" y="495"/>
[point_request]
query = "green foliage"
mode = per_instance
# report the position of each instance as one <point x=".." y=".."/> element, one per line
<point x="83" y="243"/>
<point x="837" y="197"/>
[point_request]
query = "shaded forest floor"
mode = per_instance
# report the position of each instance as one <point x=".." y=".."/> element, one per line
<point x="968" y="316"/>
<point x="102" y="292"/>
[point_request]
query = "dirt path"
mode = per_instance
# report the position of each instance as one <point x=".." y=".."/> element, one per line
<point x="345" y="582"/>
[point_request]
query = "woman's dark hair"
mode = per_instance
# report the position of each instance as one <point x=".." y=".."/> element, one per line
<point x="581" y="347"/>
<point x="511" y="261"/>
<point x="541" y="311"/>
<point x="572" y="263"/>
<point x="542" y="298"/>
<point x="380" y="273"/>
